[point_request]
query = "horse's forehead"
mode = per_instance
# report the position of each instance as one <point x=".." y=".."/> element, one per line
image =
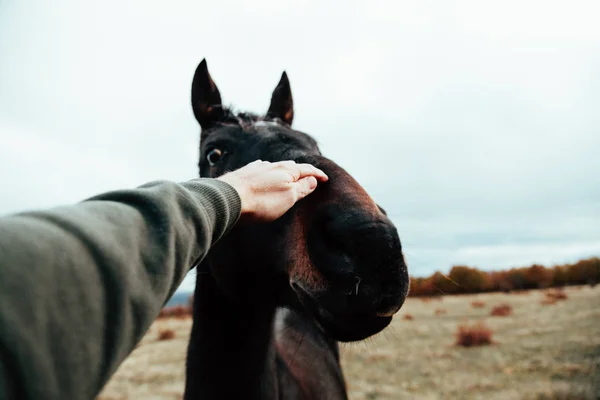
<point x="262" y="124"/>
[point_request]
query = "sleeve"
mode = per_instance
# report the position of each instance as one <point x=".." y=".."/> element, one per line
<point x="80" y="285"/>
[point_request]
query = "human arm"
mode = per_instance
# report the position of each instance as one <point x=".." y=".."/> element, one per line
<point x="80" y="285"/>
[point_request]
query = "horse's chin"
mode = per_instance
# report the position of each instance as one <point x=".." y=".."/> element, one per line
<point x="343" y="327"/>
<point x="350" y="328"/>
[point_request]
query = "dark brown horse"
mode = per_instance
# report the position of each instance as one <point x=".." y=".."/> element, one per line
<point x="272" y="300"/>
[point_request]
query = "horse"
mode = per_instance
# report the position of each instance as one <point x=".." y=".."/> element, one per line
<point x="273" y="300"/>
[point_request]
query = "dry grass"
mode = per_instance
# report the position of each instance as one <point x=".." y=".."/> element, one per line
<point x="502" y="310"/>
<point x="540" y="352"/>
<point x="477" y="334"/>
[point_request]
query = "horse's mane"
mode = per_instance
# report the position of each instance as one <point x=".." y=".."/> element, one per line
<point x="243" y="119"/>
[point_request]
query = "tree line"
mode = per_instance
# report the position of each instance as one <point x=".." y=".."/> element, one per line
<point x="463" y="279"/>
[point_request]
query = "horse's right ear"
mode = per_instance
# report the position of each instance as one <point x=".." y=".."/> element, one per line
<point x="206" y="99"/>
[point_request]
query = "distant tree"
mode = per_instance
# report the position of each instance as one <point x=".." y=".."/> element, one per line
<point x="559" y="276"/>
<point x="468" y="280"/>
<point x="537" y="276"/>
<point x="465" y="279"/>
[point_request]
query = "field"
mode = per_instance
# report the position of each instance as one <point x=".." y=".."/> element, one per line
<point x="538" y="351"/>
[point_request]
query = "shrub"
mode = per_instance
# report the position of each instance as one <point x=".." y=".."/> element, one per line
<point x="502" y="310"/>
<point x="440" y="311"/>
<point x="408" y="317"/>
<point x="537" y="276"/>
<point x="464" y="279"/>
<point x="467" y="280"/>
<point x="473" y="335"/>
<point x="584" y="271"/>
<point x="166" y="334"/>
<point x="441" y="284"/>
<point x="547" y="302"/>
<point x="477" y="304"/>
<point x="181" y="312"/>
<point x="556" y="295"/>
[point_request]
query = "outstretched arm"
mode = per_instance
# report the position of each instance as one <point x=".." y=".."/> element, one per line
<point x="80" y="285"/>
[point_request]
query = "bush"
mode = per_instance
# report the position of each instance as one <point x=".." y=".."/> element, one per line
<point x="556" y="295"/>
<point x="477" y="304"/>
<point x="408" y="317"/>
<point x="180" y="312"/>
<point x="166" y="334"/>
<point x="463" y="279"/>
<point x="584" y="271"/>
<point x="502" y="310"/>
<point x="440" y="311"/>
<point x="468" y="280"/>
<point x="442" y="284"/>
<point x="537" y="276"/>
<point x="473" y="335"/>
<point x="548" y="302"/>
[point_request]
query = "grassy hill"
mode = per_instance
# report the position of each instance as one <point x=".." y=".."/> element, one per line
<point x="542" y="348"/>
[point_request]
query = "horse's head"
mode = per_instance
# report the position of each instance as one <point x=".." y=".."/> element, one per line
<point x="335" y="254"/>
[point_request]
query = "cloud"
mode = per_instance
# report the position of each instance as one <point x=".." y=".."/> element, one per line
<point x="474" y="125"/>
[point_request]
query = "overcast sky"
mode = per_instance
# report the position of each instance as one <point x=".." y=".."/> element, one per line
<point x="476" y="126"/>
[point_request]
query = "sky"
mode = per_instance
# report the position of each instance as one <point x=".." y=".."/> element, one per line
<point x="475" y="125"/>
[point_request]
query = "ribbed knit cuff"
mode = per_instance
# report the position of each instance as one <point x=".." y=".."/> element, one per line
<point x="221" y="202"/>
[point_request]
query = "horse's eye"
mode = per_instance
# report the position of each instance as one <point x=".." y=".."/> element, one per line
<point x="214" y="156"/>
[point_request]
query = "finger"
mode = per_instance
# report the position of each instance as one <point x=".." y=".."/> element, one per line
<point x="309" y="170"/>
<point x="305" y="186"/>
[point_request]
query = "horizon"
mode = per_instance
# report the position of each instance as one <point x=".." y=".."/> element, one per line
<point x="476" y="130"/>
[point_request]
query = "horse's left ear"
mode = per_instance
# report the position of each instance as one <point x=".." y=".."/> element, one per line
<point x="282" y="104"/>
<point x="206" y="99"/>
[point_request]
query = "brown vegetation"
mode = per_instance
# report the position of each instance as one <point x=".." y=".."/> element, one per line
<point x="166" y="334"/>
<point x="556" y="295"/>
<point x="440" y="311"/>
<point x="477" y="304"/>
<point x="181" y="312"/>
<point x="553" y="296"/>
<point x="548" y="302"/>
<point x="502" y="310"/>
<point x="463" y="279"/>
<point x="538" y="351"/>
<point x="408" y="317"/>
<point x="473" y="335"/>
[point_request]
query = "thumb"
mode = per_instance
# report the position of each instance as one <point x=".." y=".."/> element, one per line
<point x="305" y="186"/>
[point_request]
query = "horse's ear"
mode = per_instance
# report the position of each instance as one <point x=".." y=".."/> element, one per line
<point x="206" y="99"/>
<point x="282" y="104"/>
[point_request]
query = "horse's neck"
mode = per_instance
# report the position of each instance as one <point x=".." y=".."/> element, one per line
<point x="309" y="366"/>
<point x="231" y="353"/>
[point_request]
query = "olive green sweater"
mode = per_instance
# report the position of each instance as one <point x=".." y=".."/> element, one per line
<point x="80" y="285"/>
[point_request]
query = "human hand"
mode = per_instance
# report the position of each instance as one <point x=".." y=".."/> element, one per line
<point x="268" y="190"/>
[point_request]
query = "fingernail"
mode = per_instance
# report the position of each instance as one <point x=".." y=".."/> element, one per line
<point x="312" y="182"/>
